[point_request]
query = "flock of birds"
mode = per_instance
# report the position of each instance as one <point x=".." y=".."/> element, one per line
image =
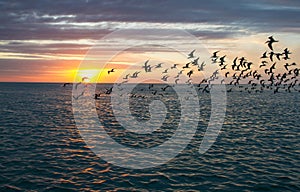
<point x="240" y="73"/>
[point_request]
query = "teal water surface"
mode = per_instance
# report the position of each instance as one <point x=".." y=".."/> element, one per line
<point x="258" y="148"/>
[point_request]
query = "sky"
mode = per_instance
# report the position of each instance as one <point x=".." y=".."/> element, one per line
<point x="46" y="40"/>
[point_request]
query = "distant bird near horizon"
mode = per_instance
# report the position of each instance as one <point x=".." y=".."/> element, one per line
<point x="135" y="74"/>
<point x="146" y="66"/>
<point x="111" y="71"/>
<point x="126" y="77"/>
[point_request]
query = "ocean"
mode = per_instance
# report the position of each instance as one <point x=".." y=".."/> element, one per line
<point x="258" y="148"/>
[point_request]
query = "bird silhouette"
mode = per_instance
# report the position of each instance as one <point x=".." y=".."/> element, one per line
<point x="286" y="54"/>
<point x="270" y="42"/>
<point x="195" y="61"/>
<point x="147" y="67"/>
<point x="201" y="67"/>
<point x="186" y="66"/>
<point x="158" y="65"/>
<point x="227" y="73"/>
<point x="190" y="73"/>
<point x="174" y="66"/>
<point x="165" y="78"/>
<point x="111" y="71"/>
<point x="264" y="56"/>
<point x="165" y="71"/>
<point x="263" y="64"/>
<point x="135" y="74"/>
<point x="191" y="54"/>
<point x="164" y="88"/>
<point x="109" y="91"/>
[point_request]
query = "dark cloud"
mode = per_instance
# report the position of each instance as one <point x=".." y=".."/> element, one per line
<point x="30" y="19"/>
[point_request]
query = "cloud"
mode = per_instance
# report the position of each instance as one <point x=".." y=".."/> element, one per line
<point x="48" y="19"/>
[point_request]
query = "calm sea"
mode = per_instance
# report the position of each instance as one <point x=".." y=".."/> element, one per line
<point x="258" y="148"/>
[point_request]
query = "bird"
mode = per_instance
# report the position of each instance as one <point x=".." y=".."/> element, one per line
<point x="96" y="96"/>
<point x="227" y="73"/>
<point x="273" y="66"/>
<point x="165" y="71"/>
<point x="286" y="66"/>
<point x="224" y="67"/>
<point x="148" y="69"/>
<point x="108" y="91"/>
<point x="145" y="65"/>
<point x="65" y="84"/>
<point x="84" y="79"/>
<point x="186" y="66"/>
<point x="126" y="77"/>
<point x="135" y="74"/>
<point x="191" y="54"/>
<point x="158" y="65"/>
<point x="234" y="63"/>
<point x="286" y="53"/>
<point x="111" y="71"/>
<point x="270" y="42"/>
<point x="278" y="55"/>
<point x="190" y="73"/>
<point x="264" y="56"/>
<point x="271" y="55"/>
<point x="165" y="78"/>
<point x="222" y="60"/>
<point x="189" y="81"/>
<point x="296" y="72"/>
<point x="263" y="64"/>
<point x="214" y="55"/>
<point x="249" y="65"/>
<point x="201" y="67"/>
<point x="242" y="60"/>
<point x="174" y="66"/>
<point x="195" y="62"/>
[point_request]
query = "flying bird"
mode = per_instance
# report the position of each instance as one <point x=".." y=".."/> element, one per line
<point x="126" y="77"/>
<point x="191" y="54"/>
<point x="201" y="67"/>
<point x="264" y="56"/>
<point x="186" y="66"/>
<point x="174" y="66"/>
<point x="165" y="78"/>
<point x="190" y="73"/>
<point x="286" y="54"/>
<point x="165" y="71"/>
<point x="111" y="71"/>
<point x="270" y="42"/>
<point x="195" y="62"/>
<point x="158" y="65"/>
